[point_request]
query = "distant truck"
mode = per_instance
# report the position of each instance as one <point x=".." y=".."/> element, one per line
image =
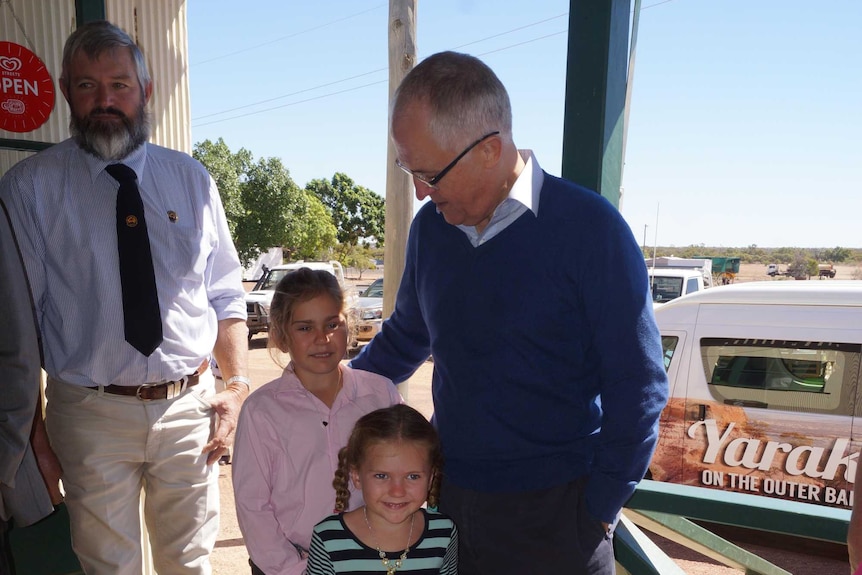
<point x="724" y="268"/>
<point x="800" y="271"/>
<point x="671" y="277"/>
<point x="826" y="270"/>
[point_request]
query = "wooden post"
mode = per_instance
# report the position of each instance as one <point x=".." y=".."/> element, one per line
<point x="399" y="189"/>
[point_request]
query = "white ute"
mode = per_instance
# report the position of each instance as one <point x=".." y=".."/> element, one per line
<point x="671" y="277"/>
<point x="259" y="299"/>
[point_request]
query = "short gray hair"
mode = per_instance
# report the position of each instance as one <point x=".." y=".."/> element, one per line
<point x="465" y="97"/>
<point x="96" y="38"/>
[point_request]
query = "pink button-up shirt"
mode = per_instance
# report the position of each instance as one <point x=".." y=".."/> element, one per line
<point x="284" y="460"/>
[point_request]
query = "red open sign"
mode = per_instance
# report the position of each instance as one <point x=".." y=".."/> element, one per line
<point x="26" y="89"/>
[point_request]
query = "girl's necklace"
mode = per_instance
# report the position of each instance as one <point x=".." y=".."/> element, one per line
<point x="391" y="565"/>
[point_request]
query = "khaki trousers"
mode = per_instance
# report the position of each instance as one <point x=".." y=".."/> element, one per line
<point x="111" y="448"/>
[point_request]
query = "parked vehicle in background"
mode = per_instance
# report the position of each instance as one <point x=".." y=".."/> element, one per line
<point x="672" y="277"/>
<point x="763" y="390"/>
<point x="259" y="299"/>
<point x="369" y="311"/>
<point x="724" y="268"/>
<point x="826" y="270"/>
<point x="774" y="270"/>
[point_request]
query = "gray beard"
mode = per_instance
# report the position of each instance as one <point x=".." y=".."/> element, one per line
<point x="111" y="141"/>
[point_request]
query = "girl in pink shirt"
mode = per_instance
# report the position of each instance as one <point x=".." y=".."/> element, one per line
<point x="291" y="429"/>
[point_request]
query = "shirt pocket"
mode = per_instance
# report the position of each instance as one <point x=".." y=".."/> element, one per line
<point x="188" y="251"/>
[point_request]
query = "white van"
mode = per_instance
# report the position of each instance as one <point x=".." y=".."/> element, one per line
<point x="764" y="390"/>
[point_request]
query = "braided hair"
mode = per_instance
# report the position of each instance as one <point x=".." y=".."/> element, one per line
<point x="397" y="422"/>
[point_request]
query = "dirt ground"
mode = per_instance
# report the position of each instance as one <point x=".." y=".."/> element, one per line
<point x="757" y="272"/>
<point x="230" y="556"/>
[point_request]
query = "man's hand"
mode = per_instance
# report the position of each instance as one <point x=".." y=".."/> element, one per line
<point x="231" y="354"/>
<point x="46" y="460"/>
<point x="227" y="405"/>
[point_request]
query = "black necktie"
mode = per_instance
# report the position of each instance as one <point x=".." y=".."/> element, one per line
<point x="141" y="316"/>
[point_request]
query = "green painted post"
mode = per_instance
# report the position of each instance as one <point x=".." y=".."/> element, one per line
<point x="89" y="10"/>
<point x="595" y="94"/>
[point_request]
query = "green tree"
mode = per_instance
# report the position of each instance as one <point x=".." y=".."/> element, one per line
<point x="264" y="206"/>
<point x="228" y="170"/>
<point x="836" y="254"/>
<point x="317" y="233"/>
<point x="271" y="202"/>
<point x="357" y="212"/>
<point x="359" y="257"/>
<point x="803" y="266"/>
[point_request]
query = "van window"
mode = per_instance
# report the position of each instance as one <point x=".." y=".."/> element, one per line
<point x="668" y="346"/>
<point x="782" y="374"/>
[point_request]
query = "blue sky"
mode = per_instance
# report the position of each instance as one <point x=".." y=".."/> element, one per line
<point x="745" y="125"/>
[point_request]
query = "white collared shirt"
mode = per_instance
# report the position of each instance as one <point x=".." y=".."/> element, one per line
<point x="523" y="196"/>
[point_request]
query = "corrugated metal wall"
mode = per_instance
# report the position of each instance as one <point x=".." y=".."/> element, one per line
<point x="158" y="26"/>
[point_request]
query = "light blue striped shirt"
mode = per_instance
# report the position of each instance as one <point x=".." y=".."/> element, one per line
<point x="63" y="207"/>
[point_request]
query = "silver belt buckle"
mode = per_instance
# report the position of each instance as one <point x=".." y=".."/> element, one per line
<point x="145" y="386"/>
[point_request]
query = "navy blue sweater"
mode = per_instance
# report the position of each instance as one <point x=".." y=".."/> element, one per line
<point x="547" y="359"/>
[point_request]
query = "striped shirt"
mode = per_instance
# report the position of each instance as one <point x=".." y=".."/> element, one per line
<point x="335" y="549"/>
<point x="62" y="205"/>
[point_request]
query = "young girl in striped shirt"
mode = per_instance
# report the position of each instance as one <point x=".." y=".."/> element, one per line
<point x="394" y="457"/>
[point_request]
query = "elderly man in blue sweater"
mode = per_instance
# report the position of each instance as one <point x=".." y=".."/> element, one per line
<point x="531" y="294"/>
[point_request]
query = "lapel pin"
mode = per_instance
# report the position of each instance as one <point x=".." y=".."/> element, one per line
<point x="172" y="215"/>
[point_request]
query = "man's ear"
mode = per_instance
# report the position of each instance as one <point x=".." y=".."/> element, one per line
<point x="491" y="150"/>
<point x="64" y="89"/>
<point x="148" y="91"/>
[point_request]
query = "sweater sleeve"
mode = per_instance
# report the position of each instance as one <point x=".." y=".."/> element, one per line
<point x="403" y="343"/>
<point x="634" y="386"/>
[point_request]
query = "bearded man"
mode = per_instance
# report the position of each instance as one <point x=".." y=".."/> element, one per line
<point x="135" y="281"/>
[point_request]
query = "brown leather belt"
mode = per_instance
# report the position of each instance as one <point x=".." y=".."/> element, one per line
<point x="151" y="391"/>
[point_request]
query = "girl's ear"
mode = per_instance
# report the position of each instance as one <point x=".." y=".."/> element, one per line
<point x="284" y="343"/>
<point x="354" y="477"/>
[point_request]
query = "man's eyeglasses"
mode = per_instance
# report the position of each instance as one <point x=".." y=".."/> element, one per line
<point x="432" y="182"/>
